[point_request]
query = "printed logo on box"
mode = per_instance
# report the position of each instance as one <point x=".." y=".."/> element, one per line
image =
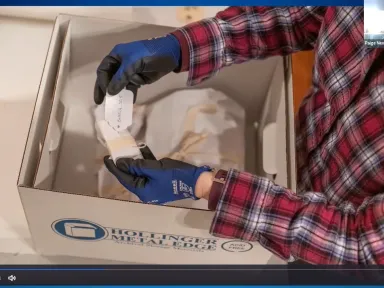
<point x="78" y="229"/>
<point x="236" y="246"/>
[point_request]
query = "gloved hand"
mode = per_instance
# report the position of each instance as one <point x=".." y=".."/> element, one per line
<point x="157" y="182"/>
<point x="134" y="64"/>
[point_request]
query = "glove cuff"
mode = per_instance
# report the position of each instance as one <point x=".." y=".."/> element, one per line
<point x="167" y="46"/>
<point x="184" y="52"/>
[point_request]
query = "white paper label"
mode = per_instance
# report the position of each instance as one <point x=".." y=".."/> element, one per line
<point x="119" y="110"/>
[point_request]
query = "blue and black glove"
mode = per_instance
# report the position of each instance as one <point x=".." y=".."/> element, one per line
<point x="134" y="64"/>
<point x="156" y="182"/>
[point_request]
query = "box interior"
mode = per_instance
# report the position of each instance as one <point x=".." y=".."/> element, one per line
<point x="69" y="149"/>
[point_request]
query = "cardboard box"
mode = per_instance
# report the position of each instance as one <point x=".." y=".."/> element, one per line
<point x="72" y="221"/>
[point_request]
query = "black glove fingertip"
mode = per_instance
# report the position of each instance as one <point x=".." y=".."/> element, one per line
<point x="133" y="88"/>
<point x="98" y="94"/>
<point x="113" y="89"/>
<point x="137" y="80"/>
<point x="108" y="161"/>
<point x="147" y="153"/>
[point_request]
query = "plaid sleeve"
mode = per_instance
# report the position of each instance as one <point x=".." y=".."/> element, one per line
<point x="304" y="227"/>
<point x="238" y="34"/>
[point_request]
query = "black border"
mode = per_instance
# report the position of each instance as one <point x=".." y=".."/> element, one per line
<point x="301" y="274"/>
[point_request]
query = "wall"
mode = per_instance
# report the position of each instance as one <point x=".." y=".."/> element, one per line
<point x="302" y="64"/>
<point x="168" y="16"/>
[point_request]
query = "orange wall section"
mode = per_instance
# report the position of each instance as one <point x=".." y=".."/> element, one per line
<point x="302" y="64"/>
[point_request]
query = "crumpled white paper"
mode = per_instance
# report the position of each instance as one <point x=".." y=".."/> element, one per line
<point x="199" y="126"/>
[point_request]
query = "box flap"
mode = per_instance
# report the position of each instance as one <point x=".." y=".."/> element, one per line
<point x="44" y="99"/>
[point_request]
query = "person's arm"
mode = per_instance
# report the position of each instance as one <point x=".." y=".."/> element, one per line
<point x="303" y="227"/>
<point x="238" y="34"/>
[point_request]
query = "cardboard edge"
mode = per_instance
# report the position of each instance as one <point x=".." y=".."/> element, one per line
<point x="115" y="20"/>
<point x="105" y="198"/>
<point x="54" y="95"/>
<point x="59" y="145"/>
<point x="33" y="123"/>
<point x="290" y="114"/>
<point x="35" y="112"/>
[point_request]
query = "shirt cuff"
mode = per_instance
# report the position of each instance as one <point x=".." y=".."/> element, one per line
<point x="185" y="61"/>
<point x="239" y="200"/>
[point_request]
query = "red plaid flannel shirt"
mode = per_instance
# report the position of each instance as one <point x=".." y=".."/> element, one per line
<point x="337" y="216"/>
